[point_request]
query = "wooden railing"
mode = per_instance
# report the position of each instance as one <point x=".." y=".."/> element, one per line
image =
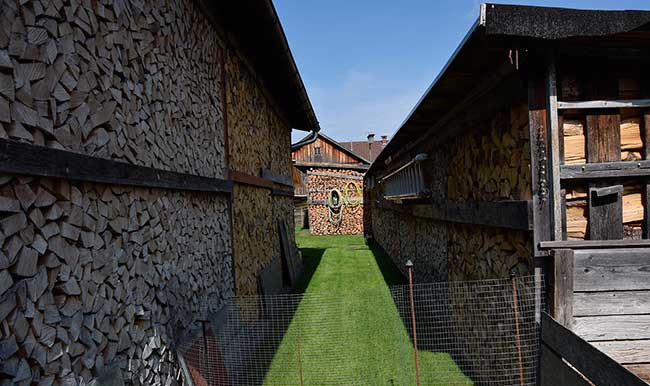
<point x="568" y="360"/>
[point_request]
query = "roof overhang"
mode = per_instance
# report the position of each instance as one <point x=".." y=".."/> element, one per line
<point x="481" y="54"/>
<point x="254" y="27"/>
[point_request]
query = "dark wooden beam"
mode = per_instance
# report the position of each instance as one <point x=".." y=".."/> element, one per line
<point x="616" y="104"/>
<point x="277" y="178"/>
<point x="501" y="214"/>
<point x="595" y="365"/>
<point x="26" y="159"/>
<point x="553" y="147"/>
<point x="602" y="170"/>
<point x="326" y="165"/>
<point x="594" y="244"/>
<point x="247" y="179"/>
<point x="561" y="281"/>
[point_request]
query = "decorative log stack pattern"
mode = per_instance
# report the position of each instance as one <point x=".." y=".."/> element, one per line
<point x="485" y="165"/>
<point x="319" y="186"/>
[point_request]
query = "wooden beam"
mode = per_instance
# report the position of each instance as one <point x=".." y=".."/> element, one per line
<point x="595" y="365"/>
<point x="562" y="286"/>
<point x="613" y="327"/>
<point x="553" y="148"/>
<point x="594" y="244"/>
<point x="336" y="175"/>
<point x="277" y="178"/>
<point x="327" y="165"/>
<point x="616" y="104"/>
<point x="611" y="303"/>
<point x="539" y="160"/>
<point x="645" y="189"/>
<point x="33" y="160"/>
<point x="556" y="372"/>
<point x="603" y="170"/>
<point x="247" y="179"/>
<point x="501" y="214"/>
<point x="612" y="270"/>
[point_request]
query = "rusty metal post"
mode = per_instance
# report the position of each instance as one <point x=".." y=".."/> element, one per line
<point x="518" y="335"/>
<point x="409" y="266"/>
<point x="299" y="358"/>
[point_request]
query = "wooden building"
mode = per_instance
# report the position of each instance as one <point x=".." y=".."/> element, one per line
<point x="144" y="175"/>
<point x="328" y="180"/>
<point x="531" y="152"/>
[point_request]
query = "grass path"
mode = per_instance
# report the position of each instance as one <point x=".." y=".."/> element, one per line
<point x="347" y="327"/>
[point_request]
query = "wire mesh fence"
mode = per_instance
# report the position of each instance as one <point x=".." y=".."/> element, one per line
<point x="468" y="333"/>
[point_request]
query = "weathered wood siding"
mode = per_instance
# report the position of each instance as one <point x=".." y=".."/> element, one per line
<point x="328" y="153"/>
<point x="611" y="306"/>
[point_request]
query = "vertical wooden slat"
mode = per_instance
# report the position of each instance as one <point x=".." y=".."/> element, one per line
<point x="603" y="139"/>
<point x="554" y="148"/>
<point x="645" y="132"/>
<point x="538" y="157"/>
<point x="562" y="286"/>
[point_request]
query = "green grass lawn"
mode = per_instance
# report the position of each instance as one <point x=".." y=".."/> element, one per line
<point x="347" y="328"/>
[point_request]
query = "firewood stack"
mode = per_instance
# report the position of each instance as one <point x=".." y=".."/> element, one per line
<point x="322" y="220"/>
<point x="92" y="275"/>
<point x="576" y="194"/>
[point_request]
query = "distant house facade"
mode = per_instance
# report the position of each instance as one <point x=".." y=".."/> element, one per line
<point x="145" y="175"/>
<point x="328" y="180"/>
<point x="529" y="154"/>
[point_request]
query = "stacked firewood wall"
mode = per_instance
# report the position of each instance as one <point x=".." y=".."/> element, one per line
<point x="490" y="165"/>
<point x="94" y="276"/>
<point x="258" y="138"/>
<point x="324" y="221"/>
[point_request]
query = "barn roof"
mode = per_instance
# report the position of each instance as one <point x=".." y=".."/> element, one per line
<point x="255" y="28"/>
<point x="338" y="145"/>
<point x="480" y="53"/>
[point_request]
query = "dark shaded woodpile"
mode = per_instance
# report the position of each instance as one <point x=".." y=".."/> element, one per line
<point x="346" y="220"/>
<point x="137" y="83"/>
<point x="94" y="275"/>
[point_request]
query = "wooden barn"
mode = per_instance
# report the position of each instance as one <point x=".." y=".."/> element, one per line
<point x="144" y="170"/>
<point x="328" y="180"/>
<point x="530" y="153"/>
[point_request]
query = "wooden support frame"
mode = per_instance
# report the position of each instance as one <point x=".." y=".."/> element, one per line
<point x="603" y="104"/>
<point x="561" y="283"/>
<point x="602" y="170"/>
<point x="594" y="244"/>
<point x="26" y="159"/>
<point x="500" y="214"/>
<point x="592" y="363"/>
<point x="554" y="147"/>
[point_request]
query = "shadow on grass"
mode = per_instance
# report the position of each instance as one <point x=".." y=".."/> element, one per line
<point x="311" y="258"/>
<point x="390" y="271"/>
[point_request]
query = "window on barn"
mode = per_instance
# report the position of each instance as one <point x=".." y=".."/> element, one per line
<point x="407" y="182"/>
<point x="317" y="154"/>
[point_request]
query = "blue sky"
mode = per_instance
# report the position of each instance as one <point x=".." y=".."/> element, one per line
<point x="365" y="63"/>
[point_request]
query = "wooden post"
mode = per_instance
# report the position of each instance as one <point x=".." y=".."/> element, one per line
<point x="554" y="148"/>
<point x="515" y="305"/>
<point x="645" y="133"/>
<point x="561" y="280"/>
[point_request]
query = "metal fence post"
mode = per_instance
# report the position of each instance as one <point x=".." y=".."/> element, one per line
<point x="409" y="266"/>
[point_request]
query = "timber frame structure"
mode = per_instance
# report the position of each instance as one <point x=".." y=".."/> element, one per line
<point x="537" y="134"/>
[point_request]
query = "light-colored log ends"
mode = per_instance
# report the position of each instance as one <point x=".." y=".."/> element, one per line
<point x="93" y="275"/>
<point x="117" y="81"/>
<point x="348" y="219"/>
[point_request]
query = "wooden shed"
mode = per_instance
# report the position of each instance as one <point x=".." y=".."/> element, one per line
<point x="145" y="174"/>
<point x="530" y="153"/>
<point x="328" y="179"/>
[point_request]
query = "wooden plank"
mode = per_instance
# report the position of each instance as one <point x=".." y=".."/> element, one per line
<point x="612" y="270"/>
<point x="336" y="175"/>
<point x="614" y="327"/>
<point x="277" y="178"/>
<point x="615" y="104"/>
<point x="591" y="362"/>
<point x="251" y="180"/>
<point x="501" y="214"/>
<point x="611" y="303"/>
<point x="329" y="165"/>
<point x="539" y="163"/>
<point x="554" y="149"/>
<point x="562" y="286"/>
<point x="282" y="192"/>
<point x="626" y="351"/>
<point x="642" y="371"/>
<point x="599" y="170"/>
<point x="555" y="372"/>
<point x="594" y="244"/>
<point x="645" y="190"/>
<point x="26" y="159"/>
